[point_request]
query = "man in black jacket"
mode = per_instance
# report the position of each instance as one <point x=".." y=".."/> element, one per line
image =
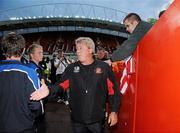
<point x="137" y="29"/>
<point x="17" y="111"/>
<point x="90" y="82"/>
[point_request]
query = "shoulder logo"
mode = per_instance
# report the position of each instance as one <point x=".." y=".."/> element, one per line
<point x="98" y="70"/>
<point x="76" y="69"/>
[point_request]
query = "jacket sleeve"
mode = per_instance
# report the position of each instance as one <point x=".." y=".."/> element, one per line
<point x="62" y="84"/>
<point x="126" y="49"/>
<point x="113" y="91"/>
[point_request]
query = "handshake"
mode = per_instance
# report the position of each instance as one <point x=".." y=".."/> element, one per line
<point x="41" y="93"/>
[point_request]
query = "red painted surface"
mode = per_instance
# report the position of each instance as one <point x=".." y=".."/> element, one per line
<point x="152" y="103"/>
<point x="158" y="87"/>
<point x="127" y="108"/>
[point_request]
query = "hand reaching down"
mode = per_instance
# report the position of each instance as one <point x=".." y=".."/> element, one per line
<point x="113" y="119"/>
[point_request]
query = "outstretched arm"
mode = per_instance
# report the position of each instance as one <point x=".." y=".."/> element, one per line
<point x="61" y="85"/>
<point x="41" y="93"/>
<point x="128" y="47"/>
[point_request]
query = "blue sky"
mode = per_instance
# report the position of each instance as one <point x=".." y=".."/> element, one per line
<point x="145" y="8"/>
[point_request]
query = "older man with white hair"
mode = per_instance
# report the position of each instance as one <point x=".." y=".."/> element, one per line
<point x="91" y="82"/>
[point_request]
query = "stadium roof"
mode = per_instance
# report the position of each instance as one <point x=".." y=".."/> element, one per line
<point x="52" y="10"/>
<point x="57" y="15"/>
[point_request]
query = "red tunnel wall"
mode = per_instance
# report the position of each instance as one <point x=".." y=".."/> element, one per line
<point x="152" y="103"/>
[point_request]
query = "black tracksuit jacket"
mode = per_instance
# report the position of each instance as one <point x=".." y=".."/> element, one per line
<point x="17" y="82"/>
<point x="90" y="86"/>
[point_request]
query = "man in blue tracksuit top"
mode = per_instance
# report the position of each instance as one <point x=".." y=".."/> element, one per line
<point x="17" y="112"/>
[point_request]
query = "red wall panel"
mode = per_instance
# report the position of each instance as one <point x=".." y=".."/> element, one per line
<point x="152" y="103"/>
<point x="158" y="83"/>
<point x="127" y="108"/>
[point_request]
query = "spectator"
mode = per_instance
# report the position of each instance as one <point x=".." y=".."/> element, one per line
<point x="137" y="29"/>
<point x="61" y="63"/>
<point x="17" y="83"/>
<point x="102" y="54"/>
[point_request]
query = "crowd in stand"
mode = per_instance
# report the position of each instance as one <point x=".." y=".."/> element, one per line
<point x="52" y="42"/>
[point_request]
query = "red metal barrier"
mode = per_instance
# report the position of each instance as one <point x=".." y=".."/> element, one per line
<point x="152" y="103"/>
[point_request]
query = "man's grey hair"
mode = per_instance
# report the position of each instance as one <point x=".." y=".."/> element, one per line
<point x="87" y="41"/>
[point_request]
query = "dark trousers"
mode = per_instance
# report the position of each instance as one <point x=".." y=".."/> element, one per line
<point x="97" y="127"/>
